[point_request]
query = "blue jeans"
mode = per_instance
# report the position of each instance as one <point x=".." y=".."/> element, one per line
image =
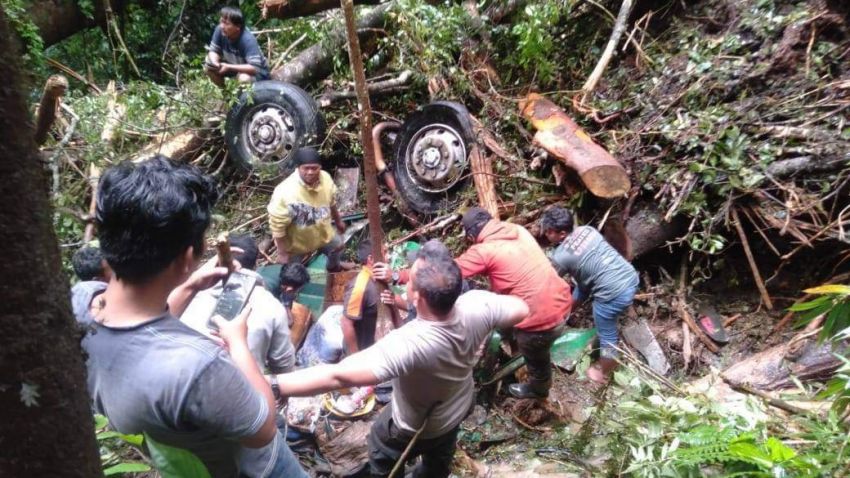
<point x="605" y="314"/>
<point x="282" y="463"/>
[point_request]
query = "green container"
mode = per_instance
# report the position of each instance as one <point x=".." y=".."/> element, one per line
<point x="566" y="352"/>
<point x="313" y="294"/>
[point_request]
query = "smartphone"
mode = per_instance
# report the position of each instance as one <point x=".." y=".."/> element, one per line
<point x="234" y="295"/>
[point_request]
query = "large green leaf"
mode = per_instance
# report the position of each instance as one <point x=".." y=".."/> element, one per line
<point x="175" y="462"/>
<point x="126" y="468"/>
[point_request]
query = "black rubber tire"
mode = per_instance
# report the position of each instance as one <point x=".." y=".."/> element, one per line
<point x="446" y="112"/>
<point x="308" y="121"/>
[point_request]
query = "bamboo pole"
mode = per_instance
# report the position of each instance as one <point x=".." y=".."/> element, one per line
<point x="370" y="169"/>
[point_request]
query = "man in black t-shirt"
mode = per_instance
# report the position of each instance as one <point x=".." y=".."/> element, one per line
<point x="234" y="51"/>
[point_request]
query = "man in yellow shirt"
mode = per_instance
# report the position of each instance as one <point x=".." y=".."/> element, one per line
<point x="301" y="210"/>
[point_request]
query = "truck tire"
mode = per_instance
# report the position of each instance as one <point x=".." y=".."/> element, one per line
<point x="432" y="156"/>
<point x="268" y="124"/>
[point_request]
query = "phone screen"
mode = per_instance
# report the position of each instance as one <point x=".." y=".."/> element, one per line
<point x="234" y="296"/>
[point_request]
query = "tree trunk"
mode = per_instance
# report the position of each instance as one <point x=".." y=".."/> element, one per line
<point x="774" y="368"/>
<point x="58" y="19"/>
<point x="302" y="8"/>
<point x="52" y="434"/>
<point x="648" y="230"/>
<point x="316" y="62"/>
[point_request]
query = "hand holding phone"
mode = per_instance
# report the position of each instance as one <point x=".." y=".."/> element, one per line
<point x="234" y="295"/>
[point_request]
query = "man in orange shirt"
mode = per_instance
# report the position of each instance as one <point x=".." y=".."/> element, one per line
<point x="515" y="265"/>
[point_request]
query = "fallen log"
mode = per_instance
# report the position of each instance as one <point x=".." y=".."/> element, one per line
<point x="302" y="8"/>
<point x="559" y="135"/>
<point x="773" y="369"/>
<point x="482" y="177"/>
<point x="54" y="90"/>
<point x="806" y="164"/>
<point x="316" y="62"/>
<point x="648" y="230"/>
<point x="184" y="146"/>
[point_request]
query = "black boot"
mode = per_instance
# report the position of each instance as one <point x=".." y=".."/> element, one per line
<point x="530" y="390"/>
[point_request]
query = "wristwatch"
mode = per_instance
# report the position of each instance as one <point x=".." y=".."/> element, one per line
<point x="396" y="276"/>
<point x="275" y="387"/>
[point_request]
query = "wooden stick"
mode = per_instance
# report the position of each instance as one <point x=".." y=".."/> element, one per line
<point x="73" y="74"/>
<point x="682" y="308"/>
<point x="370" y="169"/>
<point x="616" y="33"/>
<point x="435" y="225"/>
<point x="686" y="344"/>
<point x="731" y="320"/>
<point x="54" y="89"/>
<point x="398" y="83"/>
<point x="781" y="404"/>
<point x="765" y="297"/>
<point x="225" y="256"/>
<point x="399" y="464"/>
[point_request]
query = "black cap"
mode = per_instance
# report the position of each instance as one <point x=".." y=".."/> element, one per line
<point x="474" y="221"/>
<point x="304" y="156"/>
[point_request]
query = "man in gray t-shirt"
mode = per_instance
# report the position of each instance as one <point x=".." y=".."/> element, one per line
<point x="148" y="372"/>
<point x="234" y="51"/>
<point x="600" y="272"/>
<point x="429" y="360"/>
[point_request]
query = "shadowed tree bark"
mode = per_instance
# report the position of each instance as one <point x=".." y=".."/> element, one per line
<point x="46" y="427"/>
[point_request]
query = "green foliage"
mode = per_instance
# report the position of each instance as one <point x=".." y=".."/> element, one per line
<point x="19" y="19"/>
<point x="833" y="301"/>
<point x="535" y="41"/>
<point x="429" y="36"/>
<point x="651" y="432"/>
<point x="116" y="448"/>
<point x="174" y="462"/>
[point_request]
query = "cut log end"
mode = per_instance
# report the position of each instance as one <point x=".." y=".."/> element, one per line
<point x="607" y="181"/>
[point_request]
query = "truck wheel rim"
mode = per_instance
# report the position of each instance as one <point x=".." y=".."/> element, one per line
<point x="435" y="158"/>
<point x="270" y="133"/>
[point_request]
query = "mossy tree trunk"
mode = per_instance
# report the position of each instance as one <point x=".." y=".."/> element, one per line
<point x="50" y="432"/>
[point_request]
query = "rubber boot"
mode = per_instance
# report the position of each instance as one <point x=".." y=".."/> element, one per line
<point x="534" y="389"/>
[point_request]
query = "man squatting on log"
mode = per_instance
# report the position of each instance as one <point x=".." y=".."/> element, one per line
<point x="234" y="51"/>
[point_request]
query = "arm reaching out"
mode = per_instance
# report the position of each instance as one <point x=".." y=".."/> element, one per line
<point x="351" y="372"/>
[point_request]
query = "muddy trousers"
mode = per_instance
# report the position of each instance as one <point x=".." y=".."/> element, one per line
<point x="534" y="346"/>
<point x="387" y="442"/>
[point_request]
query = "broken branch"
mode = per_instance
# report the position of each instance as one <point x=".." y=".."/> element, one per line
<point x="392" y="85"/>
<point x="54" y="90"/>
<point x="765" y="297"/>
<point x="613" y="41"/>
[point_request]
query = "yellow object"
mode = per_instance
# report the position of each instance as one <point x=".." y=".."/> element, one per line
<point x="301" y="215"/>
<point x="355" y="301"/>
<point x="368" y="405"/>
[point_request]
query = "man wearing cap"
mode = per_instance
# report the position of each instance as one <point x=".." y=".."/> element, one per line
<point x="515" y="265"/>
<point x="301" y="210"/>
